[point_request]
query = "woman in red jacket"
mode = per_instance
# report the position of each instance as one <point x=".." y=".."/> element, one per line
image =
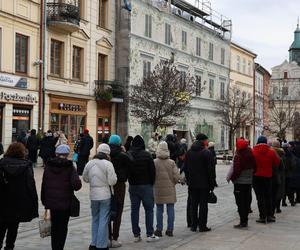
<point x="265" y="158"/>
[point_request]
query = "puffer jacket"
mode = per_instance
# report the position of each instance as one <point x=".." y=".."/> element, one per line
<point x="18" y="195"/>
<point x="167" y="177"/>
<point x="265" y="158"/>
<point x="60" y="180"/>
<point x="101" y="175"/>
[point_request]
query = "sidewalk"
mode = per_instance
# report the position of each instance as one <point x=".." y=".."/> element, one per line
<point x="282" y="235"/>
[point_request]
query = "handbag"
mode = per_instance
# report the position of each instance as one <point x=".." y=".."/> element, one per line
<point x="45" y="225"/>
<point x="75" y="206"/>
<point x="212" y="198"/>
<point x="229" y="173"/>
<point x="113" y="206"/>
<point x="75" y="157"/>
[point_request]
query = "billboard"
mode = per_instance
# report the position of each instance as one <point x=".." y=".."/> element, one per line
<point x="13" y="81"/>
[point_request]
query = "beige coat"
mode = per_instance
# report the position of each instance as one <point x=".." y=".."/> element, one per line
<point x="167" y="176"/>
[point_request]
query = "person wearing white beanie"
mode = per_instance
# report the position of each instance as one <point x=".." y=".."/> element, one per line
<point x="100" y="173"/>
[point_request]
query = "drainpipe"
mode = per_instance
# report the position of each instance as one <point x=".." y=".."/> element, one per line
<point x="41" y="69"/>
<point x="44" y="63"/>
<point x="254" y="102"/>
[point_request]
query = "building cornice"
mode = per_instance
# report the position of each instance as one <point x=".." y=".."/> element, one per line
<point x="18" y="18"/>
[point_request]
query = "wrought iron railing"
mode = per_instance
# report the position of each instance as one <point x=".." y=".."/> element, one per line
<point x="106" y="90"/>
<point x="62" y="12"/>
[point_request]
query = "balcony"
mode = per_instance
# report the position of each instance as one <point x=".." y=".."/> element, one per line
<point x="109" y="91"/>
<point x="63" y="16"/>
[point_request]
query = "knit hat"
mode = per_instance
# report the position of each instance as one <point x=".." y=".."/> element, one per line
<point x="201" y="137"/>
<point x="62" y="149"/>
<point x="211" y="144"/>
<point x="183" y="141"/>
<point x="163" y="150"/>
<point x="103" y="148"/>
<point x="138" y="142"/>
<point x="115" y="140"/>
<point x="262" y="139"/>
<point x="86" y="131"/>
<point x="241" y="144"/>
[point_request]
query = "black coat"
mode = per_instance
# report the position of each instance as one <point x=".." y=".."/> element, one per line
<point x="121" y="162"/>
<point x="18" y="195"/>
<point x="142" y="168"/>
<point x="47" y="147"/>
<point x="60" y="179"/>
<point x="32" y="143"/>
<point x="85" y="145"/>
<point x="199" y="167"/>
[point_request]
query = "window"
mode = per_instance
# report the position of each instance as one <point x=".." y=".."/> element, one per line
<point x="244" y="66"/>
<point x="238" y="63"/>
<point x="21" y="53"/>
<point x="102" y="61"/>
<point x="198" y="46"/>
<point x="285" y="91"/>
<point x="146" y="69"/>
<point x="222" y="91"/>
<point x="222" y="137"/>
<point x="56" y="58"/>
<point x="77" y="63"/>
<point x="103" y="13"/>
<point x="168" y="37"/>
<point x="148" y="26"/>
<point x="182" y="77"/>
<point x="222" y="56"/>
<point x="285" y="75"/>
<point x="211" y="52"/>
<point x="183" y="40"/>
<point x="211" y="88"/>
<point x="198" y="85"/>
<point x="275" y="90"/>
<point x="249" y="68"/>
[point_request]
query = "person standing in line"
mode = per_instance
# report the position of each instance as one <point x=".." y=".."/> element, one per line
<point x="287" y="172"/>
<point x="167" y="176"/>
<point x="22" y="138"/>
<point x="18" y="195"/>
<point x="1" y="149"/>
<point x="128" y="142"/>
<point x="153" y="144"/>
<point x="60" y="180"/>
<point x="244" y="165"/>
<point x="32" y="145"/>
<point x="100" y="174"/>
<point x="211" y="148"/>
<point x="141" y="181"/>
<point x="265" y="158"/>
<point x="47" y="147"/>
<point x="199" y="167"/>
<point x="121" y="163"/>
<point x="85" y="145"/>
<point x="183" y="148"/>
<point x="62" y="139"/>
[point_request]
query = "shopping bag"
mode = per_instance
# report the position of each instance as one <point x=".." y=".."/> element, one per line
<point x="212" y="198"/>
<point x="75" y="206"/>
<point x="45" y="225"/>
<point x="75" y="157"/>
<point x="229" y="173"/>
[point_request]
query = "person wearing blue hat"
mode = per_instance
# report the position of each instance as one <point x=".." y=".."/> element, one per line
<point x="59" y="177"/>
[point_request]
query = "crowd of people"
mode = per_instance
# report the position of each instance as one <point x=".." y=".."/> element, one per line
<point x="271" y="168"/>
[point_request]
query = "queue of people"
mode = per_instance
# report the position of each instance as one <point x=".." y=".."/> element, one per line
<point x="272" y="170"/>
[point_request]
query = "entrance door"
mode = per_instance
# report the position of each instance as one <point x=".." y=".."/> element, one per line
<point x="103" y="129"/>
<point x="21" y="121"/>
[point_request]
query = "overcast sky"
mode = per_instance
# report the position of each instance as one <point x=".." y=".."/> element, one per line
<point x="264" y="26"/>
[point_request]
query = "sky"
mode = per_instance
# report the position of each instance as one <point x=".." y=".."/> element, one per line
<point x="266" y="27"/>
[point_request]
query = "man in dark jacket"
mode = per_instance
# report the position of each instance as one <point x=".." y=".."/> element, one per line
<point x="199" y="167"/>
<point x="32" y="145"/>
<point x="47" y="147"/>
<point x="85" y="146"/>
<point x="141" y="181"/>
<point x="19" y="200"/>
<point x="121" y="163"/>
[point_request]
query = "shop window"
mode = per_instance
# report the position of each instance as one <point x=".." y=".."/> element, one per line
<point x="21" y="56"/>
<point x="102" y="60"/>
<point x="104" y="126"/>
<point x="103" y="10"/>
<point x="21" y="121"/>
<point x="77" y="63"/>
<point x="56" y="58"/>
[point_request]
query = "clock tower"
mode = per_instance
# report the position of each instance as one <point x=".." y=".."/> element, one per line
<point x="295" y="47"/>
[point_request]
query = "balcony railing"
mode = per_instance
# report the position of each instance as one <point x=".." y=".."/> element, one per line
<point x="109" y="91"/>
<point x="63" y="15"/>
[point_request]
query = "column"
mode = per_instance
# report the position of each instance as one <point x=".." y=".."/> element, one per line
<point x="7" y="125"/>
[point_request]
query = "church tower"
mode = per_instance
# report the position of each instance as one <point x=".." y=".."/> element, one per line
<point x="295" y="47"/>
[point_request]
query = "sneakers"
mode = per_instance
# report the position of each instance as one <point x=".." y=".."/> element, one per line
<point x="152" y="238"/>
<point x="158" y="233"/>
<point x="115" y="244"/>
<point x="169" y="233"/>
<point x="137" y="239"/>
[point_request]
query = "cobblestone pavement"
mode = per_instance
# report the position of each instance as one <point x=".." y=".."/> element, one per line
<point x="284" y="234"/>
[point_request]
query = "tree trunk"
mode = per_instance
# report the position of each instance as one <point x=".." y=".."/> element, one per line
<point x="231" y="140"/>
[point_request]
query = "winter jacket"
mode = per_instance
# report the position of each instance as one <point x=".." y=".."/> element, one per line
<point x="244" y="164"/>
<point x="18" y="195"/>
<point x="32" y="143"/>
<point x="199" y="167"/>
<point x="265" y="158"/>
<point x="101" y="175"/>
<point x="278" y="177"/>
<point x="173" y="147"/>
<point x="120" y="161"/>
<point x="294" y="178"/>
<point x="152" y="145"/>
<point x="167" y="177"/>
<point x="60" y="180"/>
<point x="85" y="145"/>
<point x="142" y="168"/>
<point x="47" y="147"/>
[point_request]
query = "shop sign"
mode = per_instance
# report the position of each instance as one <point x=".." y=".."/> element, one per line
<point x="13" y="81"/>
<point x="69" y="107"/>
<point x="15" y="97"/>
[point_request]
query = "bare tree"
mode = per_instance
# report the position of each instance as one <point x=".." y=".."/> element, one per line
<point x="235" y="112"/>
<point x="163" y="96"/>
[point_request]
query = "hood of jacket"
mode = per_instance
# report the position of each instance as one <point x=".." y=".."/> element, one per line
<point x="58" y="165"/>
<point x="114" y="150"/>
<point x="241" y="144"/>
<point x="197" y="146"/>
<point x="261" y="148"/>
<point x="162" y="151"/>
<point x="138" y="143"/>
<point x="14" y="166"/>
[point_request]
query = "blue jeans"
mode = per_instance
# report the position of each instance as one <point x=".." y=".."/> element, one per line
<point x="144" y="194"/>
<point x="160" y="218"/>
<point x="100" y="220"/>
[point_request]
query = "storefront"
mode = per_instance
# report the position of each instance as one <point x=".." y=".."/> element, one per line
<point x="20" y="120"/>
<point x="68" y="115"/>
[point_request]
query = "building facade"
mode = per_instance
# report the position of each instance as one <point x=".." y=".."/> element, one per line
<point x="19" y="67"/>
<point x="242" y="78"/>
<point x="158" y="31"/>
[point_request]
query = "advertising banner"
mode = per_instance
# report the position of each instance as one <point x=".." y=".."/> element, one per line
<point x="13" y="81"/>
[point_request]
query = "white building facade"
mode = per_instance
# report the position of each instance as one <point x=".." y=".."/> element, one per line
<point x="259" y="103"/>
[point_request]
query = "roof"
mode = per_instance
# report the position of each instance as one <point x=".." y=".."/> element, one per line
<point x="262" y="69"/>
<point x="243" y="49"/>
<point x="296" y="43"/>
